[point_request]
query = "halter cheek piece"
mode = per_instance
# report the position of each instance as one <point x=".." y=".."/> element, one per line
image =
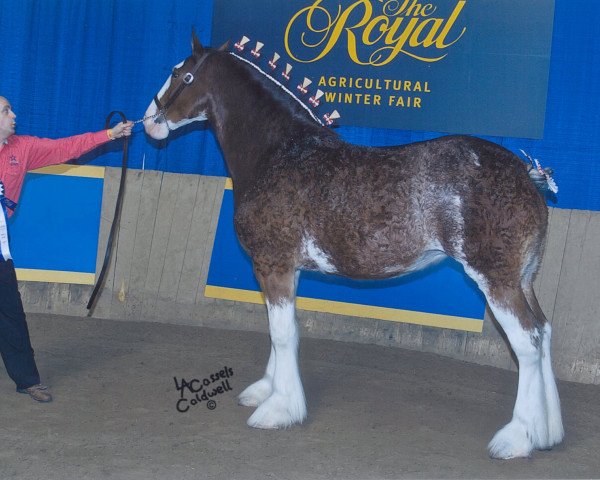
<point x="187" y="79"/>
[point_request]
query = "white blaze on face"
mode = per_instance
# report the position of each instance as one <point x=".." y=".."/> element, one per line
<point x="157" y="131"/>
<point x="160" y="131"/>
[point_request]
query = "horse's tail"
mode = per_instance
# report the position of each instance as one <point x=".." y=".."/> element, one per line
<point x="541" y="177"/>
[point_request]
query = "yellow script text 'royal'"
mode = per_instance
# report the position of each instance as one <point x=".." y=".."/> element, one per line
<point x="403" y="27"/>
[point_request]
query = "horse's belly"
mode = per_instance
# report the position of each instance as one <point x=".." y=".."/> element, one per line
<point x="427" y="258"/>
<point x="366" y="263"/>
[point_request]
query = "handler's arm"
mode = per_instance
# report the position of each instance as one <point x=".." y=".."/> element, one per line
<point x="46" y="151"/>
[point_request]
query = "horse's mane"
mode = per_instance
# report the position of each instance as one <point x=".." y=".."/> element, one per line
<point x="274" y="91"/>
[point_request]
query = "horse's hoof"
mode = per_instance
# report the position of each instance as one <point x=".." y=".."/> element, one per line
<point x="275" y="413"/>
<point x="256" y="393"/>
<point x="556" y="432"/>
<point x="512" y="441"/>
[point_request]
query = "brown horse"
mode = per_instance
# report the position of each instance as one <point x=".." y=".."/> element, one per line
<point x="305" y="199"/>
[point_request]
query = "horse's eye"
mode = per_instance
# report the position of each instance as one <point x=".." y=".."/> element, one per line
<point x="175" y="74"/>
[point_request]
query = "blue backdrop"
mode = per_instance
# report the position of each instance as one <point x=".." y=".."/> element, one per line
<point x="67" y="63"/>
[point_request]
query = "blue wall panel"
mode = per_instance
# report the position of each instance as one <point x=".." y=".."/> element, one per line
<point x="54" y="231"/>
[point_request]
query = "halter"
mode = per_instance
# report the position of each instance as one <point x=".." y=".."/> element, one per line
<point x="188" y="79"/>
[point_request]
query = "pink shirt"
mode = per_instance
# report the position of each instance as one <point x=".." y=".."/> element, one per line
<point x="23" y="153"/>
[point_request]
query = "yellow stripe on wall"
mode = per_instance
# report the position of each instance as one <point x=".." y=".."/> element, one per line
<point x="89" y="171"/>
<point x="55" y="276"/>
<point x="354" y="310"/>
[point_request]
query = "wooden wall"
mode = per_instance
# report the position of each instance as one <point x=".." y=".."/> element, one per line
<point x="161" y="259"/>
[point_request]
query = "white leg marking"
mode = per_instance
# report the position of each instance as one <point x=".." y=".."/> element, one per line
<point x="286" y="405"/>
<point x="555" y="425"/>
<point x="528" y="428"/>
<point x="259" y="391"/>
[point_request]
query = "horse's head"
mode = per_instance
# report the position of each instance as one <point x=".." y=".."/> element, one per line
<point x="182" y="99"/>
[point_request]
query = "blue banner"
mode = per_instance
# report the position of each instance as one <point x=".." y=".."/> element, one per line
<point x="478" y="67"/>
<point x="71" y="62"/>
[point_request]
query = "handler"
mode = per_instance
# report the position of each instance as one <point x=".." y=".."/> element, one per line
<point x="18" y="154"/>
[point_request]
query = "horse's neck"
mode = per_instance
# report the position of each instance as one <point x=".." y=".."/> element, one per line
<point x="252" y="127"/>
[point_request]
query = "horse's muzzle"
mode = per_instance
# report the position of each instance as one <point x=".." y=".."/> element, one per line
<point x="156" y="127"/>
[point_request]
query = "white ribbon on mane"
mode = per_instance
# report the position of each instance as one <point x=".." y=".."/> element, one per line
<point x="280" y="85"/>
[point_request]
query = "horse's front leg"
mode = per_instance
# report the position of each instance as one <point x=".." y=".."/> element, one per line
<point x="279" y="393"/>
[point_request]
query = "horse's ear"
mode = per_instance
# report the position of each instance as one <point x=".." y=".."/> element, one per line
<point x="197" y="47"/>
<point x="224" y="47"/>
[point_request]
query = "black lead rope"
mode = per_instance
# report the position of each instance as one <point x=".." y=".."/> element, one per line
<point x="187" y="79"/>
<point x="115" y="223"/>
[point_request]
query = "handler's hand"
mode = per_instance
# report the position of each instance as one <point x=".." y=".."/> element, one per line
<point x="121" y="130"/>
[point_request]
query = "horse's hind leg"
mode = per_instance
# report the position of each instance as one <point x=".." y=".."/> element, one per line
<point x="529" y="426"/>
<point x="555" y="425"/>
<point x="279" y="392"/>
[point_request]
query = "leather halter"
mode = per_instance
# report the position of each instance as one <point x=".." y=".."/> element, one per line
<point x="188" y="79"/>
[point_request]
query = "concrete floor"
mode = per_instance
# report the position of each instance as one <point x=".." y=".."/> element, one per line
<point x="374" y="412"/>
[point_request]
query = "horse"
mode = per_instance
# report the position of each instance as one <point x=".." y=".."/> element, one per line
<point x="304" y="199"/>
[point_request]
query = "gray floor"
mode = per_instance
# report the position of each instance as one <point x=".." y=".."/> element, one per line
<point x="374" y="412"/>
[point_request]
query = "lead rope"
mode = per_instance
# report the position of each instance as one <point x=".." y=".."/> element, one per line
<point x="115" y="223"/>
<point x="143" y="119"/>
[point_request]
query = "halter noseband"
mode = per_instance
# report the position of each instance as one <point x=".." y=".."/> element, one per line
<point x="188" y="78"/>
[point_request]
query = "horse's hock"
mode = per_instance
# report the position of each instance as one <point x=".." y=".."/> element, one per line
<point x="159" y="276"/>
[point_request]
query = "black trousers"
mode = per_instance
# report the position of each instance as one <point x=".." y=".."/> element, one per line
<point x="15" y="344"/>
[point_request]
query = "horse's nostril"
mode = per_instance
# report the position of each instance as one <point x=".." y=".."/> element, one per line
<point x="158" y="119"/>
